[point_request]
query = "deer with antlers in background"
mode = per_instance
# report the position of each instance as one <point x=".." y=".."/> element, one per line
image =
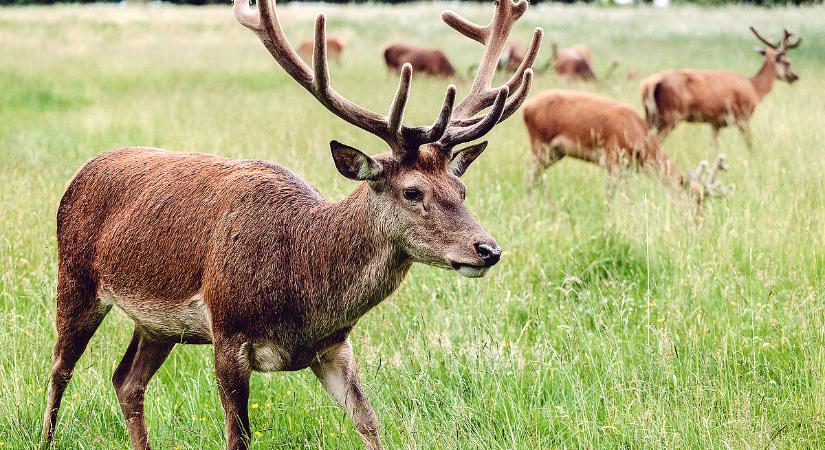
<point x="599" y="130"/>
<point x="247" y="256"/>
<point x="718" y="98"/>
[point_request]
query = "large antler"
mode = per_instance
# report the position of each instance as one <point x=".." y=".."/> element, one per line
<point x="403" y="140"/>
<point x="465" y="125"/>
<point x="707" y="178"/>
<point x="784" y="45"/>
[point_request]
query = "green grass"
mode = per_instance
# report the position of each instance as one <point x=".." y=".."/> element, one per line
<point x="610" y="323"/>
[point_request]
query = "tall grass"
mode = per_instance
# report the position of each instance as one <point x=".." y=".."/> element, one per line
<point x="612" y="322"/>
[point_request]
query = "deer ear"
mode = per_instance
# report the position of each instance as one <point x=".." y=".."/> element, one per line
<point x="759" y="50"/>
<point x="462" y="159"/>
<point x="354" y="164"/>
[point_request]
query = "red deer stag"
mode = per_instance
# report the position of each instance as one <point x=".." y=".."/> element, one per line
<point x="335" y="45"/>
<point x="715" y="97"/>
<point x="602" y="131"/>
<point x="247" y="256"/>
<point x="430" y="61"/>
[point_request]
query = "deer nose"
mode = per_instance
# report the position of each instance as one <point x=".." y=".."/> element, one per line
<point x="489" y="254"/>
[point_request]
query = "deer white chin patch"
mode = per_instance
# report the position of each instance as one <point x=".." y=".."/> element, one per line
<point x="471" y="271"/>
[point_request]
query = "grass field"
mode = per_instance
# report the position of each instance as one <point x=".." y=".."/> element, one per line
<point x="610" y="323"/>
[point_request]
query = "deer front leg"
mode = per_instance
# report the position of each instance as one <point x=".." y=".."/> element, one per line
<point x="232" y="372"/>
<point x="745" y="129"/>
<point x="338" y="374"/>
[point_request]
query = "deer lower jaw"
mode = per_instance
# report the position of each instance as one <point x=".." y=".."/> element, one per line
<point x="469" y="270"/>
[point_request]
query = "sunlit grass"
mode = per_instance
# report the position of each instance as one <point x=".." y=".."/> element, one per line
<point x="610" y="323"/>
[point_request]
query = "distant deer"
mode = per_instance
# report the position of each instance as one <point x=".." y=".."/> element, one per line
<point x="602" y="131"/>
<point x="247" y="256"/>
<point x="512" y="57"/>
<point x="335" y="45"/>
<point x="510" y="60"/>
<point x="429" y="61"/>
<point x="575" y="63"/>
<point x="715" y="97"/>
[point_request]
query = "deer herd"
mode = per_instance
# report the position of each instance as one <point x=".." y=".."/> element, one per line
<point x="247" y="256"/>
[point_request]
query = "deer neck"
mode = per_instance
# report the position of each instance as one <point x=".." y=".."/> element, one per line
<point x="665" y="168"/>
<point x="356" y="264"/>
<point x="764" y="78"/>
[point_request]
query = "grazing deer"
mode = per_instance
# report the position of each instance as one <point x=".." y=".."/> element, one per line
<point x="573" y="63"/>
<point x="335" y="45"/>
<point x="602" y="131"/>
<point x="718" y="98"/>
<point x="247" y="256"/>
<point x="429" y="61"/>
<point x="512" y="57"/>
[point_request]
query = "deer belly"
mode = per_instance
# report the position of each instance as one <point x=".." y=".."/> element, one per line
<point x="177" y="320"/>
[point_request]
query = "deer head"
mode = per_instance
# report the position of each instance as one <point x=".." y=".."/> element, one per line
<point x="777" y="54"/>
<point x="414" y="190"/>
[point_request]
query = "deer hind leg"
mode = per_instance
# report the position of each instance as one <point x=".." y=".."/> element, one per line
<point x="338" y="374"/>
<point x="79" y="314"/>
<point x="142" y="359"/>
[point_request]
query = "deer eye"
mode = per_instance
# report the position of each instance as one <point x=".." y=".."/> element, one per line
<point x="413" y="194"/>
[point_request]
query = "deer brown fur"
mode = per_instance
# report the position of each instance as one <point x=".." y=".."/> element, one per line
<point x="573" y="63"/>
<point x="599" y="130"/>
<point x="512" y="57"/>
<point x="718" y="98"/>
<point x="335" y="46"/>
<point x="429" y="61"/>
<point x="247" y="256"/>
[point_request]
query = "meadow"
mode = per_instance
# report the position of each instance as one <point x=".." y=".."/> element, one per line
<point x="611" y="322"/>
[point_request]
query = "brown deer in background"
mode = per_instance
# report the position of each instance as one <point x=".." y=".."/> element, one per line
<point x="602" y="131"/>
<point x="718" y="98"/>
<point x="576" y="63"/>
<point x="573" y="63"/>
<point x="425" y="60"/>
<point x="512" y="57"/>
<point x="247" y="256"/>
<point x="335" y="45"/>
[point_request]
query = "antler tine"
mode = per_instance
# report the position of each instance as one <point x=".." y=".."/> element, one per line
<point x="319" y="55"/>
<point x="396" y="113"/>
<point x="512" y="105"/>
<point x="482" y="127"/>
<point x="699" y="172"/>
<point x="402" y="140"/>
<point x="493" y="36"/>
<point x="464" y="26"/>
<point x="786" y="44"/>
<point x="763" y="39"/>
<point x="719" y="165"/>
<point x="713" y="187"/>
<point x="245" y="16"/>
<point x="435" y="131"/>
